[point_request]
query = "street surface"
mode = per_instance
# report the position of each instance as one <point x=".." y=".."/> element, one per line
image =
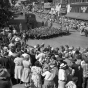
<point x="74" y="39"/>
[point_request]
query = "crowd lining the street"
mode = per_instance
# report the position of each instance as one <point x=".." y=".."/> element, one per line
<point x="41" y="66"/>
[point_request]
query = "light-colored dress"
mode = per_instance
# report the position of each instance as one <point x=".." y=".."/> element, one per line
<point x="26" y="71"/>
<point x="36" y="81"/>
<point x="18" y="67"/>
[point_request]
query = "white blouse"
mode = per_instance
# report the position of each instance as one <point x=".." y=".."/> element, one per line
<point x="62" y="75"/>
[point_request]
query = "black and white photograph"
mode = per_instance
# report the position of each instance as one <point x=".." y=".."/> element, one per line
<point x="43" y="43"/>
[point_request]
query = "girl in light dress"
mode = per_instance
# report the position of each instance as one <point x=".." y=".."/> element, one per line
<point x="26" y="70"/>
<point x="18" y="68"/>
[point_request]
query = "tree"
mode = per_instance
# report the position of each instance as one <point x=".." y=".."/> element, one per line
<point x="5" y="14"/>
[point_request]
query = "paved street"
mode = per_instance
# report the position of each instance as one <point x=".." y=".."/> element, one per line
<point x="74" y="39"/>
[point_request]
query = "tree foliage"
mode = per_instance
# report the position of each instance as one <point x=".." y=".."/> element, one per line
<point x="5" y="14"/>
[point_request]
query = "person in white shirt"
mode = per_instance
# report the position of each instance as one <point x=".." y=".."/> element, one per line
<point x="48" y="80"/>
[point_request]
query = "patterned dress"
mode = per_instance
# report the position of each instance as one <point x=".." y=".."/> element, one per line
<point x="36" y="81"/>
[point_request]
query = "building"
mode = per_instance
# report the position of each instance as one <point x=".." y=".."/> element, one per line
<point x="63" y="9"/>
<point x="78" y="9"/>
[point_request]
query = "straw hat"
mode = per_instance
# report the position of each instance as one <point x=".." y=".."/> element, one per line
<point x="63" y="65"/>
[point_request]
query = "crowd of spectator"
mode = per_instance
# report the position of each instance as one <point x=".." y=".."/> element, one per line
<point x="41" y="66"/>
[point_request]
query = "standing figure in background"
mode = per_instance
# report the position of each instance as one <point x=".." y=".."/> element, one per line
<point x="36" y="81"/>
<point x="26" y="70"/>
<point x="20" y="27"/>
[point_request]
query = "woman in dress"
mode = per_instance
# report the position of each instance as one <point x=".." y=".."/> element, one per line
<point x="62" y="76"/>
<point x="36" y="81"/>
<point x="18" y="67"/>
<point x="26" y="71"/>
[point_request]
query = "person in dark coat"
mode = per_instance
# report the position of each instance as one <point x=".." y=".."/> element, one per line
<point x="5" y="81"/>
<point x="5" y="62"/>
